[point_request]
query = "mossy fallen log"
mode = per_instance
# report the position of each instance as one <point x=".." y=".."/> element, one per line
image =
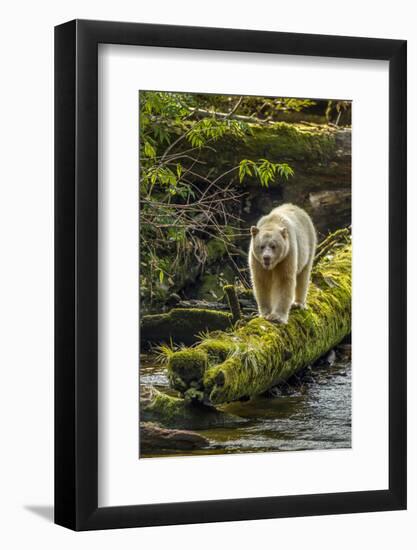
<point x="292" y="141"/>
<point x="175" y="412"/>
<point x="228" y="366"/>
<point x="181" y="325"/>
<point x="280" y="142"/>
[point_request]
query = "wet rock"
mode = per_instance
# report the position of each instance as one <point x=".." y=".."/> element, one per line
<point x="328" y="359"/>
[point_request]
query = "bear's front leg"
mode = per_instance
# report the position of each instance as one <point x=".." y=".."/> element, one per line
<point x="264" y="310"/>
<point x="282" y="297"/>
<point x="261" y="283"/>
<point x="263" y="300"/>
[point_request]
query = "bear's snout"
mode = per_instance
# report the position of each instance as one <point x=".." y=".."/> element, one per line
<point x="267" y="260"/>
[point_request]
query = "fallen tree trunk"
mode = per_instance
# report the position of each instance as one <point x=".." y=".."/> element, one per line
<point x="174" y="412"/>
<point x="228" y="366"/>
<point x="154" y="438"/>
<point x="181" y="325"/>
<point x="202" y="304"/>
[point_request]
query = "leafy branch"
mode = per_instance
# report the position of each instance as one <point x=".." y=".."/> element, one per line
<point x="186" y="207"/>
<point x="264" y="170"/>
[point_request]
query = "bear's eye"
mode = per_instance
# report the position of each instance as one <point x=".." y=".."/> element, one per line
<point x="262" y="246"/>
<point x="272" y="247"/>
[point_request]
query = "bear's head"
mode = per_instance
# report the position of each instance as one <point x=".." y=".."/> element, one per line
<point x="270" y="245"/>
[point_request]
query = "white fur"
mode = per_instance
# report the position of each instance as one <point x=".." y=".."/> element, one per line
<point x="281" y="254"/>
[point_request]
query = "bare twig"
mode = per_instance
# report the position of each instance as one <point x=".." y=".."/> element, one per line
<point x="235" y="108"/>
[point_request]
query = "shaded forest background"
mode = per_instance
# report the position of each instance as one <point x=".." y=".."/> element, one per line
<point x="211" y="165"/>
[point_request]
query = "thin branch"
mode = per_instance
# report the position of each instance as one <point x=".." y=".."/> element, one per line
<point x="235" y="108"/>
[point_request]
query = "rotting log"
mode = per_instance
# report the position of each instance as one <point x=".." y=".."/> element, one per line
<point x="181" y="325"/>
<point x="175" y="412"/>
<point x="228" y="366"/>
<point x="154" y="438"/>
<point x="201" y="304"/>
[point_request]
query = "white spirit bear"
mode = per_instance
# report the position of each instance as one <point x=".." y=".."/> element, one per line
<point x="281" y="254"/>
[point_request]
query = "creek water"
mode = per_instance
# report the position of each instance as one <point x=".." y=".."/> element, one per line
<point x="311" y="412"/>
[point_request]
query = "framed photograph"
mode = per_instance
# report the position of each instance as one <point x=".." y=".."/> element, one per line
<point x="230" y="254"/>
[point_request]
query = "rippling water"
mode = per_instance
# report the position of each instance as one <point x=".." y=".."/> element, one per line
<point x="312" y="412"/>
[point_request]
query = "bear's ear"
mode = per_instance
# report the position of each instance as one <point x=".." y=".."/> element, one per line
<point x="254" y="230"/>
<point x="284" y="232"/>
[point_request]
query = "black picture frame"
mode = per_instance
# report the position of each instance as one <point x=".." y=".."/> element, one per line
<point x="76" y="271"/>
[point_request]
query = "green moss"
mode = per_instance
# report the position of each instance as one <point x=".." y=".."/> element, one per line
<point x="174" y="412"/>
<point x="181" y="325"/>
<point x="283" y="141"/>
<point x="217" y="350"/>
<point x="259" y="354"/>
<point x="297" y="144"/>
<point x="186" y="368"/>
